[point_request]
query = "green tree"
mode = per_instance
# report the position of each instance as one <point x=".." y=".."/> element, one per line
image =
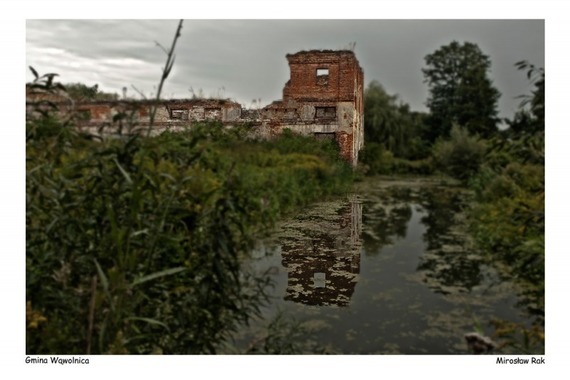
<point x="388" y="121"/>
<point x="530" y="116"/>
<point x="460" y="91"/>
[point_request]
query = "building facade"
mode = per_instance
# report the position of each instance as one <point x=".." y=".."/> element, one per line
<point x="324" y="98"/>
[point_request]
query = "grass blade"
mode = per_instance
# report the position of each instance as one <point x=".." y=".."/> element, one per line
<point x="123" y="171"/>
<point x="156" y="275"/>
<point x="150" y="321"/>
<point x="105" y="283"/>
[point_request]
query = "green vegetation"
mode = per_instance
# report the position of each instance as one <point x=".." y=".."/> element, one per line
<point x="399" y="141"/>
<point x="134" y="245"/>
<point x="390" y="122"/>
<point x="393" y="142"/>
<point x="461" y="156"/>
<point x="460" y="91"/>
<point x="509" y="214"/>
<point x="459" y="138"/>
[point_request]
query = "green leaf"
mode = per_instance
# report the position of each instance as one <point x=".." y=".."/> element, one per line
<point x="150" y="321"/>
<point x="123" y="171"/>
<point x="105" y="283"/>
<point x="34" y="72"/>
<point x="168" y="176"/>
<point x="156" y="275"/>
<point x="140" y="232"/>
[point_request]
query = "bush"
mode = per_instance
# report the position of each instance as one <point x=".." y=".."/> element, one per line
<point x="376" y="159"/>
<point x="508" y="222"/>
<point x="417" y="167"/>
<point x="460" y="156"/>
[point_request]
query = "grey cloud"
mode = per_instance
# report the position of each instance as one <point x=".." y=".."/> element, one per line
<point x="247" y="57"/>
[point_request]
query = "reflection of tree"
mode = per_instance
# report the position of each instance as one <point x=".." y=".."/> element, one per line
<point x="386" y="218"/>
<point x="447" y="271"/>
<point x="442" y="206"/>
<point x="447" y="263"/>
<point x="323" y="256"/>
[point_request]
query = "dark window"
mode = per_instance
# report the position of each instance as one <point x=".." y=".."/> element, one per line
<point x="325" y="112"/>
<point x="84" y="114"/>
<point x="179" y="114"/>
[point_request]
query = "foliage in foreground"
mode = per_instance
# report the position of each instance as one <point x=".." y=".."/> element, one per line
<point x="508" y="218"/>
<point x="134" y="244"/>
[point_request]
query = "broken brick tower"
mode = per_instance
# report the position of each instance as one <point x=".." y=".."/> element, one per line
<point x="324" y="97"/>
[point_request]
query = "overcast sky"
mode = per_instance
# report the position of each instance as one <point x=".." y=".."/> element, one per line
<point x="245" y="59"/>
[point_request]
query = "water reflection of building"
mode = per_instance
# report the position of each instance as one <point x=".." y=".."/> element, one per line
<point x="321" y="252"/>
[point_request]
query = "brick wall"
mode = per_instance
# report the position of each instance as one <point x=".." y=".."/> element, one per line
<point x="306" y="85"/>
<point x="326" y="90"/>
<point x="323" y="97"/>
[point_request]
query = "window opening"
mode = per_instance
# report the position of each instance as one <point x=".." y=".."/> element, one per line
<point x="325" y="112"/>
<point x="179" y="114"/>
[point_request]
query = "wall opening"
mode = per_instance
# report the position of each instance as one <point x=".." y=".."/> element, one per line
<point x="322" y="77"/>
<point x="179" y="114"/>
<point x="325" y="112"/>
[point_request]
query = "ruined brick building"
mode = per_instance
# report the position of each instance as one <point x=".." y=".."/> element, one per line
<point x="324" y="97"/>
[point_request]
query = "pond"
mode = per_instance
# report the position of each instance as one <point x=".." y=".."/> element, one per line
<point x="388" y="269"/>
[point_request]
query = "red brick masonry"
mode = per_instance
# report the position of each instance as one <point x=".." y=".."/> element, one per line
<point x="324" y="97"/>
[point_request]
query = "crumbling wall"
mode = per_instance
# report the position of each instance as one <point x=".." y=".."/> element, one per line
<point x="319" y="75"/>
<point x="324" y="98"/>
<point x="169" y="114"/>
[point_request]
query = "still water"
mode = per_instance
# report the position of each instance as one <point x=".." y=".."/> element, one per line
<point x="388" y="269"/>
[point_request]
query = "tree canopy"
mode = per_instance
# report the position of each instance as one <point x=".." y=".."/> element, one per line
<point x="389" y="122"/>
<point x="460" y="90"/>
<point x="530" y="117"/>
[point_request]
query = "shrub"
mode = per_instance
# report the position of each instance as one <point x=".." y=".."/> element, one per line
<point x="460" y="156"/>
<point x="377" y="159"/>
<point x="508" y="222"/>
